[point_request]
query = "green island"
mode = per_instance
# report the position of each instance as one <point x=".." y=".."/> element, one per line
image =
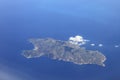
<point x="65" y="51"/>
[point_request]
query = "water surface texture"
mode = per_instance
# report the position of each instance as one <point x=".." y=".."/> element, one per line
<point x="20" y="20"/>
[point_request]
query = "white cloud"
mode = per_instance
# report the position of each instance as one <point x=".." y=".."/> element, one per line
<point x="78" y="40"/>
<point x="7" y="76"/>
<point x="7" y="73"/>
<point x="100" y="45"/>
<point x="116" y="46"/>
<point x="92" y="44"/>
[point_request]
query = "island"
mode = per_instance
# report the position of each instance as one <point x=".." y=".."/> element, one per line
<point x="65" y="51"/>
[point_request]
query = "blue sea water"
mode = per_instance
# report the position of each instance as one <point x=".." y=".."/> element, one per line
<point x="21" y="20"/>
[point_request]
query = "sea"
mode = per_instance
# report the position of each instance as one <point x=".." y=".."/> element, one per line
<point x="97" y="21"/>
